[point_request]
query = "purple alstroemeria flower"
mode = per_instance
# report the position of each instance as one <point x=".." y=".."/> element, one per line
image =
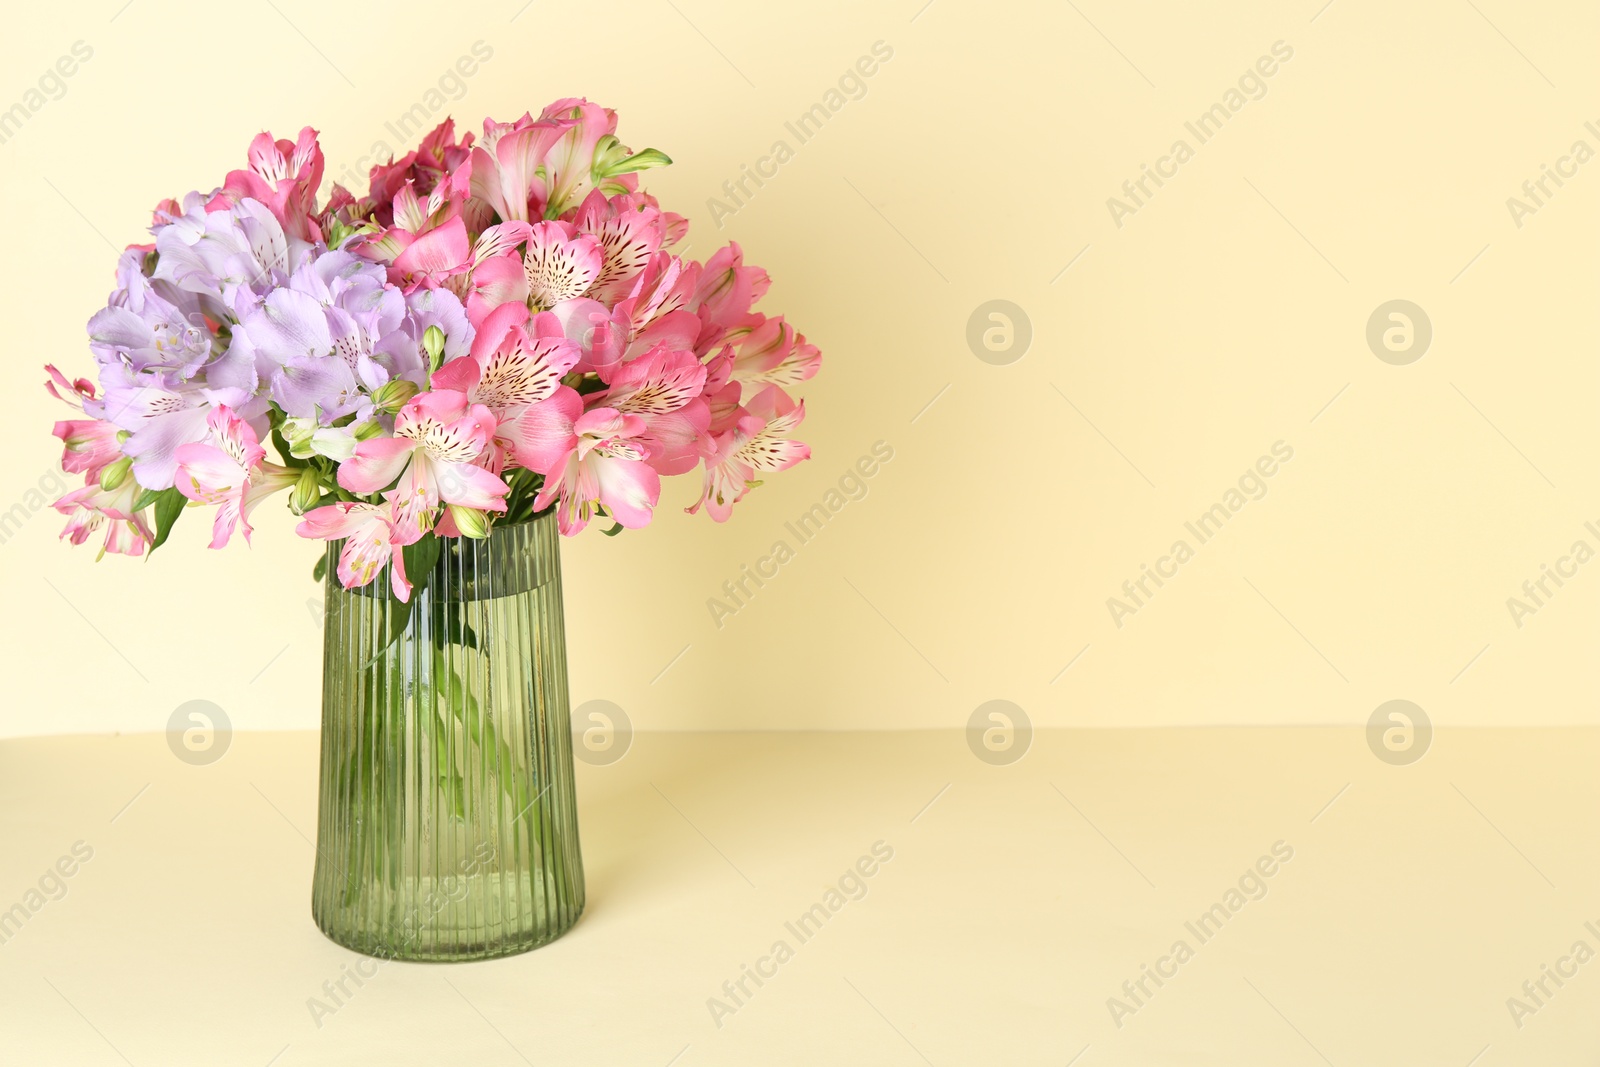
<point x="338" y="331"/>
<point x="162" y="413"/>
<point x="230" y="259"/>
<point x="149" y="324"/>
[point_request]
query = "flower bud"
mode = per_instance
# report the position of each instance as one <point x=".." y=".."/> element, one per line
<point x="392" y="395"/>
<point x="298" y="433"/>
<point x="365" y="431"/>
<point x="307" y="491"/>
<point x="114" y="474"/>
<point x="470" y="521"/>
<point x="433" y="344"/>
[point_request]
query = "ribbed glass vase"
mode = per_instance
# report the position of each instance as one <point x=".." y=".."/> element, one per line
<point x="448" y="824"/>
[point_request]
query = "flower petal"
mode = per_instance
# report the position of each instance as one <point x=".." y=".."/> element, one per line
<point x="377" y="462"/>
<point x="542" y="437"/>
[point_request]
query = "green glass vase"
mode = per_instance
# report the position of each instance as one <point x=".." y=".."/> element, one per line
<point x="448" y="822"/>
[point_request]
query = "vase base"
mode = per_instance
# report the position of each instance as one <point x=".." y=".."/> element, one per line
<point x="452" y="950"/>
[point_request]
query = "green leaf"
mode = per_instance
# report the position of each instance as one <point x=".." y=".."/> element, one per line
<point x="419" y="559"/>
<point x="645" y="160"/>
<point x="169" y="505"/>
<point x="450" y="626"/>
<point x="320" y="571"/>
<point x="613" y="531"/>
<point x="146" y="498"/>
<point x="453" y="687"/>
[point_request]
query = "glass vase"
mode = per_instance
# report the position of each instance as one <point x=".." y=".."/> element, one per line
<point x="448" y="824"/>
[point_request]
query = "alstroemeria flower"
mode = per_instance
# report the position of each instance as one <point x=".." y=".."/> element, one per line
<point x="758" y="441"/>
<point x="162" y="415"/>
<point x="428" y="246"/>
<point x="437" y="156"/>
<point x="81" y="391"/>
<point x="150" y="323"/>
<point x="657" y="307"/>
<point x="373" y="536"/>
<point x="92" y="508"/>
<point x="568" y="163"/>
<point x="338" y="331"/>
<point x="229" y="470"/>
<point x="90" y="444"/>
<point x="589" y="460"/>
<point x="663" y="387"/>
<point x="511" y="365"/>
<point x="560" y="263"/>
<point x="630" y="230"/>
<point x="728" y="288"/>
<point x="771" y="352"/>
<point x="284" y="176"/>
<point x="427" y="241"/>
<point x="494" y="275"/>
<point x="432" y="459"/>
<point x="601" y="335"/>
<point x="229" y="259"/>
<point x="541" y="168"/>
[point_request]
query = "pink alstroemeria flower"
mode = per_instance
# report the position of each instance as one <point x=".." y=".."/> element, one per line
<point x="587" y="459"/>
<point x="771" y="352"/>
<point x="758" y="441"/>
<point x="436" y="157"/>
<point x="728" y="288"/>
<point x="229" y="470"/>
<point x="92" y="507"/>
<point x="374" y="535"/>
<point x="560" y="263"/>
<point x="90" y="445"/>
<point x="630" y="230"/>
<point x="428" y="246"/>
<point x="74" y="393"/>
<point x="511" y="365"/>
<point x="664" y="387"/>
<point x="541" y="168"/>
<point x="439" y="438"/>
<point x="284" y="176"/>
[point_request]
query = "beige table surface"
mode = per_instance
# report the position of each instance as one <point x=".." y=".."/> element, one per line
<point x="1018" y="901"/>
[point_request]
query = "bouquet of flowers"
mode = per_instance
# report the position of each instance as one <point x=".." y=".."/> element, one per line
<point x="499" y="326"/>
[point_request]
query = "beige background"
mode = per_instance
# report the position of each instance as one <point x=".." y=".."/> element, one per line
<point x="1225" y="315"/>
